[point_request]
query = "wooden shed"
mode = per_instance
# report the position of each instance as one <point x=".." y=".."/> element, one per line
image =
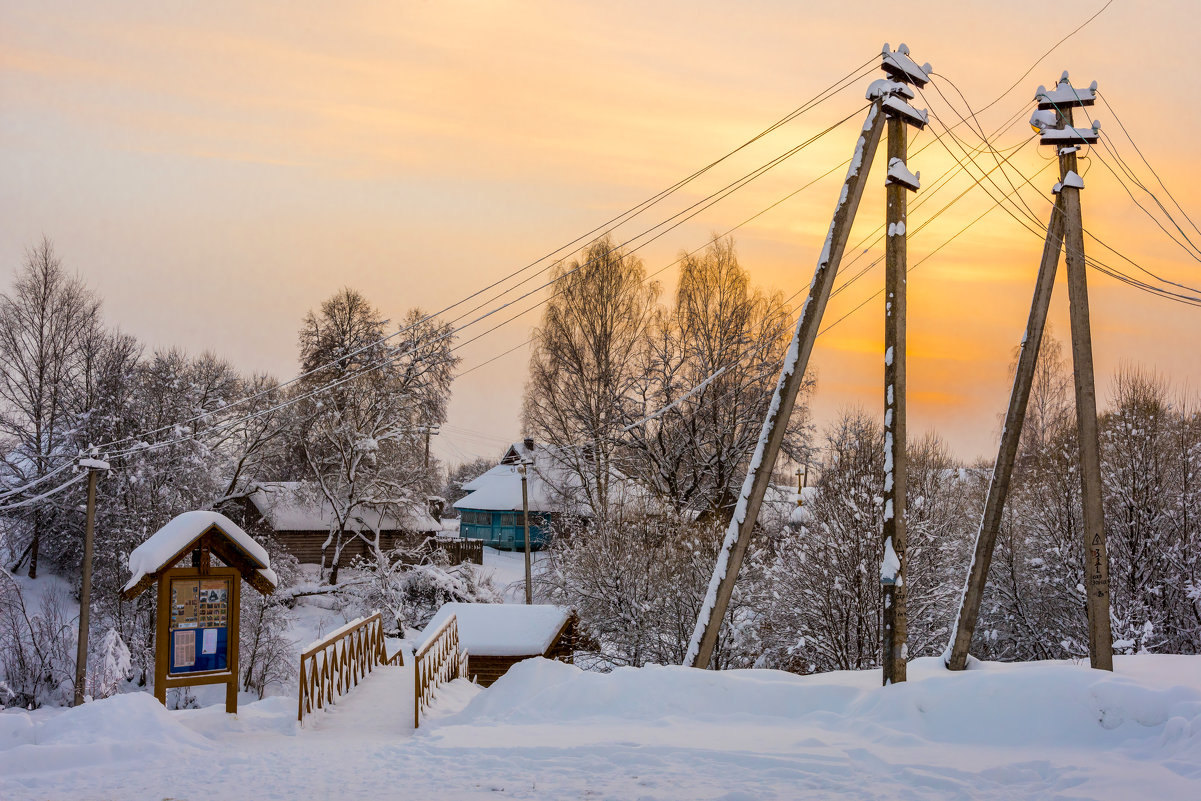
<point x="498" y="636"/>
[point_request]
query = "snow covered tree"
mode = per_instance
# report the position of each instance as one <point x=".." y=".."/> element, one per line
<point x="636" y="581"/>
<point x="820" y="597"/>
<point x="362" y="403"/>
<point x="1152" y="546"/>
<point x="459" y="475"/>
<point x="45" y="325"/>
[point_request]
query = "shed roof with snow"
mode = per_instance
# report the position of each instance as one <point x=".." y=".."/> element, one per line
<point x="504" y="629"/>
<point x="190" y="530"/>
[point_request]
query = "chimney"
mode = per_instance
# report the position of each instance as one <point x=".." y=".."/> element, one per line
<point x="529" y="443"/>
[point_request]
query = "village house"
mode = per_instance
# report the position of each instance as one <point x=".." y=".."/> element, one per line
<point x="301" y="521"/>
<point x="492" y="510"/>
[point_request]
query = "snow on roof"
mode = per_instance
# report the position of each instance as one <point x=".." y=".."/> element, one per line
<point x="499" y="489"/>
<point x="502" y="629"/>
<point x="156" y="552"/>
<point x="294" y="506"/>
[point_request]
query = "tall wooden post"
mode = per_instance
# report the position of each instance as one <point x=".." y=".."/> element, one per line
<point x="1096" y="557"/>
<point x="892" y="571"/>
<point x="887" y="96"/>
<point x="1011" y="435"/>
<point x="523" y="469"/>
<point x="85" y="585"/>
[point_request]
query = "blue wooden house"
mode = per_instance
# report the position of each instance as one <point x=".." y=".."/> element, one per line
<point x="492" y="509"/>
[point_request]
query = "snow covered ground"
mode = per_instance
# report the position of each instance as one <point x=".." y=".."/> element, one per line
<point x="548" y="730"/>
<point x="507" y="571"/>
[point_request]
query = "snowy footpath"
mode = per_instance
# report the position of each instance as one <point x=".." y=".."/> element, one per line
<point x="550" y="731"/>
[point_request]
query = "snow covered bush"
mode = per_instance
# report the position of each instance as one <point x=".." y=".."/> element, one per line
<point x="109" y="665"/>
<point x="37" y="648"/>
<point x="409" y="585"/>
<point x="637" y="584"/>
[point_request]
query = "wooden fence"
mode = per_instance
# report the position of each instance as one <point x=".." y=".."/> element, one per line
<point x="333" y="666"/>
<point x="459" y="551"/>
<point x="435" y="663"/>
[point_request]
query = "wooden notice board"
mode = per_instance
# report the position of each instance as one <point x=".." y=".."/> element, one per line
<point x="197" y="634"/>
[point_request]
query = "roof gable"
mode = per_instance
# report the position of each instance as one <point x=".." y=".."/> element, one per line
<point x="171" y="543"/>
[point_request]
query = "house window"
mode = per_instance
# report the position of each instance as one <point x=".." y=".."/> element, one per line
<point x="508" y="519"/>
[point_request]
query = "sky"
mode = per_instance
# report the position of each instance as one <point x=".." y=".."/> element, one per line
<point x="215" y="170"/>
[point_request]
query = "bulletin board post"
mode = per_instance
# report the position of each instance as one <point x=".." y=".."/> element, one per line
<point x="196" y="641"/>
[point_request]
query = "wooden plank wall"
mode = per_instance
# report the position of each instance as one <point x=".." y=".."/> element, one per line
<point x="486" y="668"/>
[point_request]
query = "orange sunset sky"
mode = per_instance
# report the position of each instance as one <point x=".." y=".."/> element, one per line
<point x="217" y="169"/>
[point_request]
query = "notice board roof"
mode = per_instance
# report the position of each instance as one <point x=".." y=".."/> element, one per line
<point x="182" y="534"/>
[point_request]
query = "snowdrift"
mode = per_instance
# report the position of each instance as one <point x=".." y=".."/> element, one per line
<point x="1154" y="698"/>
<point x="549" y="730"/>
<point x="129" y="727"/>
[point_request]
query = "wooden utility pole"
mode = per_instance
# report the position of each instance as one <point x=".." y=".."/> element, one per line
<point x="428" y="431"/>
<point x="1055" y="121"/>
<point x="721" y="586"/>
<point x="1096" y="557"/>
<point x="892" y="571"/>
<point x="523" y="469"/>
<point x="93" y="466"/>
<point x="1011" y="435"/>
<point x="899" y="183"/>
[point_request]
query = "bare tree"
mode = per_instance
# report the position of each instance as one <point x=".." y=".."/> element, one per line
<point x="586" y="364"/>
<point x="712" y="363"/>
<point x="45" y="325"/>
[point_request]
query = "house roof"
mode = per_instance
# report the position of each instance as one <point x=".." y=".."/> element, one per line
<point x="499" y="489"/>
<point x="173" y="541"/>
<point x="297" y="506"/>
<point x="502" y="629"/>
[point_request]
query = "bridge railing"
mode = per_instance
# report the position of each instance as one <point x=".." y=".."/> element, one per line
<point x="436" y="662"/>
<point x="334" y="665"/>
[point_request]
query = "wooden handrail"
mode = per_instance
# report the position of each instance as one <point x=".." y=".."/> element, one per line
<point x="436" y="662"/>
<point x="334" y="665"/>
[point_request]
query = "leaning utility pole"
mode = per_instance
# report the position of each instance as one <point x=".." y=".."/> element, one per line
<point x="93" y="466"/>
<point x="1011" y="435"/>
<point x="885" y="94"/>
<point x="892" y="570"/>
<point x="1054" y="119"/>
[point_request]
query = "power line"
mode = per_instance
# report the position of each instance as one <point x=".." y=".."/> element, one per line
<point x="825" y="94"/>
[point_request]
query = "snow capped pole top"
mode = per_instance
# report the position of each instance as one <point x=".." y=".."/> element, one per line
<point x="1053" y="116"/>
<point x="1064" y="95"/>
<point x="900" y="67"/>
<point x="895" y="89"/>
